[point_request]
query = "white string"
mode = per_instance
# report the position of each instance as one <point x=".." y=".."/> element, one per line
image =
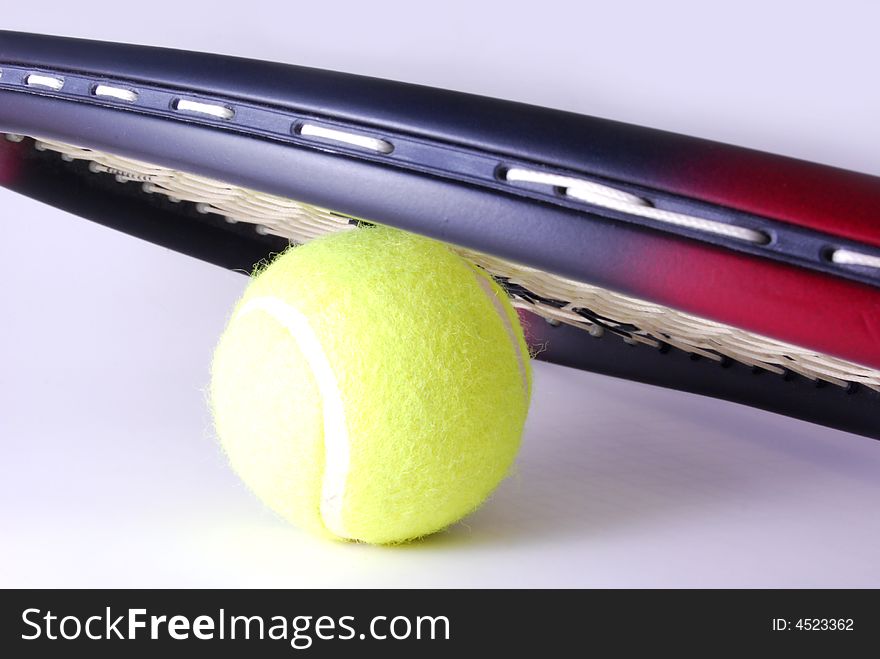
<point x="37" y="80"/>
<point x="119" y="93"/>
<point x="848" y="257"/>
<point x="345" y="137"/>
<point x="602" y="194"/>
<point x="613" y="199"/>
<point x="210" y="109"/>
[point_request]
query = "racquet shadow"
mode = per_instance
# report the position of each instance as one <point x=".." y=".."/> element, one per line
<point x="603" y="456"/>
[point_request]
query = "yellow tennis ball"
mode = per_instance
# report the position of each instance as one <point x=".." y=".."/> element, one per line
<point x="372" y="385"/>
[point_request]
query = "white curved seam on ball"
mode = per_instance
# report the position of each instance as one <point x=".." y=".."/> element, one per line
<point x="337" y="452"/>
<point x="508" y="326"/>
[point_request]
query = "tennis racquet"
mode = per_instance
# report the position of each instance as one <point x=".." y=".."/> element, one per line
<point x="629" y="251"/>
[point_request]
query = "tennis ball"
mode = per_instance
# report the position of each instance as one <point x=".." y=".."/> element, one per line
<point x="371" y="385"/>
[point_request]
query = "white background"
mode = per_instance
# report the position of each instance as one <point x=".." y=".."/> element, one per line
<point x="110" y="474"/>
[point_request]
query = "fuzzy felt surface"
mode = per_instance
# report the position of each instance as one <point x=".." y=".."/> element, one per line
<point x="434" y="382"/>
